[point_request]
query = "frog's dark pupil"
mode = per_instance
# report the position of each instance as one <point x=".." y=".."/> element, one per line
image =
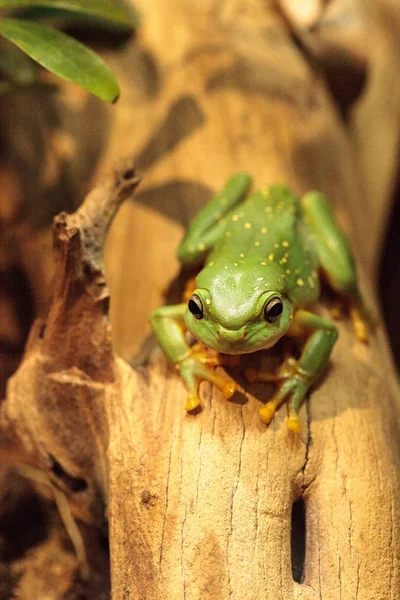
<point x="195" y="306"/>
<point x="273" y="309"/>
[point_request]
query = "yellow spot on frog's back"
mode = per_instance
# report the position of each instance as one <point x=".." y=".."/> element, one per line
<point x="276" y="245"/>
<point x="201" y="247"/>
<point x="263" y="263"/>
<point x="260" y="278"/>
<point x="288" y="271"/>
<point x="208" y="301"/>
<point x="256" y="243"/>
<point x="227" y="233"/>
<point x="235" y="218"/>
<point x="226" y="266"/>
<point x="311" y="282"/>
<point x="285" y="244"/>
<point x="283" y="260"/>
<point x="300" y="282"/>
<point x="263" y="230"/>
<point x="241" y="255"/>
<point x="270" y="256"/>
<point x="247" y="225"/>
<point x="210" y="264"/>
<point x="268" y="209"/>
<point x="235" y="264"/>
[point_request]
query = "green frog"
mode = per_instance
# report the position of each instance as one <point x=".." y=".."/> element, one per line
<point x="262" y="256"/>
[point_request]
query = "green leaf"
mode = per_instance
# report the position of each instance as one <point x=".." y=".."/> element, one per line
<point x="62" y="55"/>
<point x="105" y="10"/>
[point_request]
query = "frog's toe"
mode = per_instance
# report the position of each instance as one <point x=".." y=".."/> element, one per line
<point x="192" y="402"/>
<point x="359" y="325"/>
<point x="293" y="423"/>
<point x="227" y="386"/>
<point x="229" y="389"/>
<point x="267" y="412"/>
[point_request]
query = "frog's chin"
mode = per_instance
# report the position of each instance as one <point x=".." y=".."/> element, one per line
<point x="244" y="347"/>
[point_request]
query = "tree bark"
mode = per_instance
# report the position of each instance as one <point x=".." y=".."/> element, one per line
<point x="201" y="506"/>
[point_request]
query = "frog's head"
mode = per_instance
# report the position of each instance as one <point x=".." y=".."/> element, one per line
<point x="237" y="311"/>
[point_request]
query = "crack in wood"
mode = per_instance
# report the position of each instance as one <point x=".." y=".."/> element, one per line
<point x="166" y="509"/>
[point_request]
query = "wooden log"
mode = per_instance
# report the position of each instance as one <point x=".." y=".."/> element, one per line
<point x="200" y="507"/>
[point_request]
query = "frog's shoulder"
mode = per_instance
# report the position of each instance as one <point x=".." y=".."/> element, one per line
<point x="280" y="195"/>
<point x="276" y="198"/>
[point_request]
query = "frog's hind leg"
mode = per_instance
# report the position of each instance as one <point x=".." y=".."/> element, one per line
<point x="207" y="227"/>
<point x="334" y="256"/>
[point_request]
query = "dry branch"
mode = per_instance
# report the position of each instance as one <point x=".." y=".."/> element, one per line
<point x="200" y="507"/>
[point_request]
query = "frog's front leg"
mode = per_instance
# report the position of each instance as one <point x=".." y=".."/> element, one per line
<point x="297" y="376"/>
<point x="168" y="323"/>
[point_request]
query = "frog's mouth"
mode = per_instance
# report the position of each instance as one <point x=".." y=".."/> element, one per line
<point x="238" y="341"/>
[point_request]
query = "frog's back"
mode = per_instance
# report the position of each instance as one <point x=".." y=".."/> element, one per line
<point x="266" y="218"/>
<point x="267" y="229"/>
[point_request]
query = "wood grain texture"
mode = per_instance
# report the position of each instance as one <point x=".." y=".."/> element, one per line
<point x="200" y="507"/>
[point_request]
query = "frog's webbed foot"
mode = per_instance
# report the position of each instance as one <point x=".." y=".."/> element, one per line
<point x="293" y="385"/>
<point x="193" y="371"/>
<point x="360" y="320"/>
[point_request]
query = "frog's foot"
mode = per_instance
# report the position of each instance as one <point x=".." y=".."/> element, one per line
<point x="193" y="371"/>
<point x="359" y="319"/>
<point x="359" y="324"/>
<point x="285" y="370"/>
<point x="293" y="390"/>
<point x="293" y="385"/>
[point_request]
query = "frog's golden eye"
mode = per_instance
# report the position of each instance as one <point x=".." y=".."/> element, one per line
<point x="273" y="309"/>
<point x="196" y="307"/>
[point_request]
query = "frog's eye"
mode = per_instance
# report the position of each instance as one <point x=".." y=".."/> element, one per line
<point x="196" y="307"/>
<point x="273" y="309"/>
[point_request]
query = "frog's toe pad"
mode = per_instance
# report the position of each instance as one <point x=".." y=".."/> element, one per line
<point x="293" y="424"/>
<point x="267" y="412"/>
<point x="192" y="402"/>
<point x="229" y="389"/>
